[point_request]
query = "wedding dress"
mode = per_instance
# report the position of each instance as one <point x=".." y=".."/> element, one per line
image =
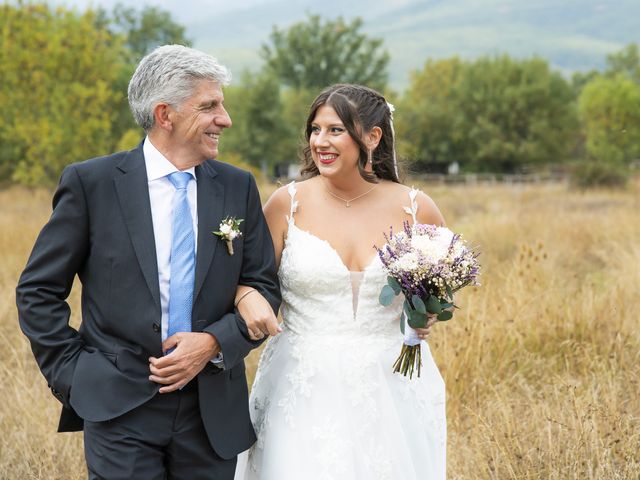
<point x="325" y="403"/>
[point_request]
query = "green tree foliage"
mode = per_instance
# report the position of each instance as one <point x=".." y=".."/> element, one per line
<point x="492" y="114"/>
<point x="258" y="135"/>
<point x="429" y="122"/>
<point x="145" y="29"/>
<point x="140" y="31"/>
<point x="626" y="61"/>
<point x="316" y="53"/>
<point x="271" y="106"/>
<point x="64" y="83"/>
<point x="57" y="92"/>
<point x="296" y="104"/>
<point x="519" y="113"/>
<point x="610" y="113"/>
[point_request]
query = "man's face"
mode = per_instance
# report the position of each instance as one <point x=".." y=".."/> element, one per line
<point x="198" y="123"/>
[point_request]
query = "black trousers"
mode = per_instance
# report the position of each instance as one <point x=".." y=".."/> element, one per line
<point x="163" y="439"/>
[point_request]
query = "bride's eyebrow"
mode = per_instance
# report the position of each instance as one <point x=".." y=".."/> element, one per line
<point x="331" y="125"/>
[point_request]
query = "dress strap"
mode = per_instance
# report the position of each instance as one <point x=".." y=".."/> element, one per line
<point x="413" y="209"/>
<point x="291" y="188"/>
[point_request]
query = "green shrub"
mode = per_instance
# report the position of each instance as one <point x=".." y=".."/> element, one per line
<point x="597" y="174"/>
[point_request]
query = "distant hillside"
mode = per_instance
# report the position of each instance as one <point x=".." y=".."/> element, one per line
<point x="571" y="34"/>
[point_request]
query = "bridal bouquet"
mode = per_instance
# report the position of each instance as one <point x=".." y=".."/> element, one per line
<point x="427" y="264"/>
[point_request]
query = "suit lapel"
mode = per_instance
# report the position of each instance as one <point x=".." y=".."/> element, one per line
<point x="210" y="212"/>
<point x="133" y="194"/>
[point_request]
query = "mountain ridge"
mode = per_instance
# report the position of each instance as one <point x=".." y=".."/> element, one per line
<point x="575" y="36"/>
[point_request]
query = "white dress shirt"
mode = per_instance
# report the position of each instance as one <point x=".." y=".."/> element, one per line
<point x="161" y="192"/>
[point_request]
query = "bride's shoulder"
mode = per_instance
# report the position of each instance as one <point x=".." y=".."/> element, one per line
<point x="427" y="210"/>
<point x="279" y="201"/>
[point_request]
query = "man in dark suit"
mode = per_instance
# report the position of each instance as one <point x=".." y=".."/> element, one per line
<point x="155" y="374"/>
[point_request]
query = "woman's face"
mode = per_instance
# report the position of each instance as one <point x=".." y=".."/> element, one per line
<point x="332" y="148"/>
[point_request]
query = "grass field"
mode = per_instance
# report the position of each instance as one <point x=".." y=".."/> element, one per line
<point x="542" y="364"/>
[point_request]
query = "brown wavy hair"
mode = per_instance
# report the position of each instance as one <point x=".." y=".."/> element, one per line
<point x="360" y="109"/>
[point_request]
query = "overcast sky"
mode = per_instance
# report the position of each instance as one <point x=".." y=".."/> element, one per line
<point x="184" y="11"/>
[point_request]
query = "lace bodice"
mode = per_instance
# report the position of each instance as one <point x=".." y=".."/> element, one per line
<point x="312" y="276"/>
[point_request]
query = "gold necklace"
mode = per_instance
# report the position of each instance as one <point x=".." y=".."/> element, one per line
<point x="347" y="203"/>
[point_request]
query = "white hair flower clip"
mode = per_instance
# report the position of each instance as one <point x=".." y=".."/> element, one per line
<point x="391" y="108"/>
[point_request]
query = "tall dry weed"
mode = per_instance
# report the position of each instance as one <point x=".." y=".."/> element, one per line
<point x="542" y="362"/>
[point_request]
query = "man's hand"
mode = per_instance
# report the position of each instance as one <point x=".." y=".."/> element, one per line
<point x="192" y="352"/>
<point x="256" y="313"/>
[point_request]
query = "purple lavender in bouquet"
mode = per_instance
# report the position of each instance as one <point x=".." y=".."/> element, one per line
<point x="428" y="264"/>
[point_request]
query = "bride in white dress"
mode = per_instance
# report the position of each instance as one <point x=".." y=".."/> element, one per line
<point x="325" y="403"/>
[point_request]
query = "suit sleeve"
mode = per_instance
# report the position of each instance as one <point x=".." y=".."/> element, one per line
<point x="259" y="272"/>
<point x="46" y="282"/>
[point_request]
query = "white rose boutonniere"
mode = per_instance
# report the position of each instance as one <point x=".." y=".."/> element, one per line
<point x="229" y="231"/>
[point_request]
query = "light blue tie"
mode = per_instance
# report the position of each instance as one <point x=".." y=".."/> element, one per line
<point x="182" y="258"/>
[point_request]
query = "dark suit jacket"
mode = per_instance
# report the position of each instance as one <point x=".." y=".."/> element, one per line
<point x="101" y="229"/>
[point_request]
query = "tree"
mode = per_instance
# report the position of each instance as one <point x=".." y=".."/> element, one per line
<point x="519" y="113"/>
<point x="626" y="61"/>
<point x="315" y="54"/>
<point x="140" y="32"/>
<point x="610" y="113"/>
<point x="492" y="114"/>
<point x="58" y="73"/>
<point x="258" y="137"/>
<point x="428" y="117"/>
<point x="145" y="29"/>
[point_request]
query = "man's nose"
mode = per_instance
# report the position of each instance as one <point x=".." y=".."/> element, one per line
<point x="223" y="120"/>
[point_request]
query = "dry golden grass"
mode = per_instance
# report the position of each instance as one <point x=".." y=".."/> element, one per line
<point x="542" y="364"/>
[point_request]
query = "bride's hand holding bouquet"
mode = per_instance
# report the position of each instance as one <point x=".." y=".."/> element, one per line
<point x="427" y="264"/>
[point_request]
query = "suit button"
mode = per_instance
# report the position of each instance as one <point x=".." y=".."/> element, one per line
<point x="156" y="327"/>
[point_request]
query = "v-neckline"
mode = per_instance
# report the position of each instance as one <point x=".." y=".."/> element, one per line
<point x="368" y="265"/>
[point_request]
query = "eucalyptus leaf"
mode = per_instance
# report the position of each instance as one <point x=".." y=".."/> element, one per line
<point x="386" y="296"/>
<point x="418" y="304"/>
<point x="417" y="319"/>
<point x="449" y="291"/>
<point x="433" y="304"/>
<point x="402" y="322"/>
<point x="446" y="305"/>
<point x="445" y="315"/>
<point x="393" y="283"/>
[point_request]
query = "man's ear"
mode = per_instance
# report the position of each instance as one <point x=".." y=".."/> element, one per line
<point x="372" y="138"/>
<point x="163" y="113"/>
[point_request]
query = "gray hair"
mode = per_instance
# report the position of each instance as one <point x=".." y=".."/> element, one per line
<point x="169" y="75"/>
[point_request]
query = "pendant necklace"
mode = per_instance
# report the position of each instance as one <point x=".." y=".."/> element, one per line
<point x="347" y="203"/>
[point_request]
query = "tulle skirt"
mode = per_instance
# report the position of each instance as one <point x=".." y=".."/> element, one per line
<point x="330" y="407"/>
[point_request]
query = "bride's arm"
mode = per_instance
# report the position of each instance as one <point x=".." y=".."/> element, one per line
<point x="251" y="305"/>
<point x="429" y="213"/>
<point x="276" y="212"/>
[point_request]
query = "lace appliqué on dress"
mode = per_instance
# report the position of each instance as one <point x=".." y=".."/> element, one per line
<point x="325" y="386"/>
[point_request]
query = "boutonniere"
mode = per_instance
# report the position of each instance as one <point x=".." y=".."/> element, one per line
<point x="229" y="231"/>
